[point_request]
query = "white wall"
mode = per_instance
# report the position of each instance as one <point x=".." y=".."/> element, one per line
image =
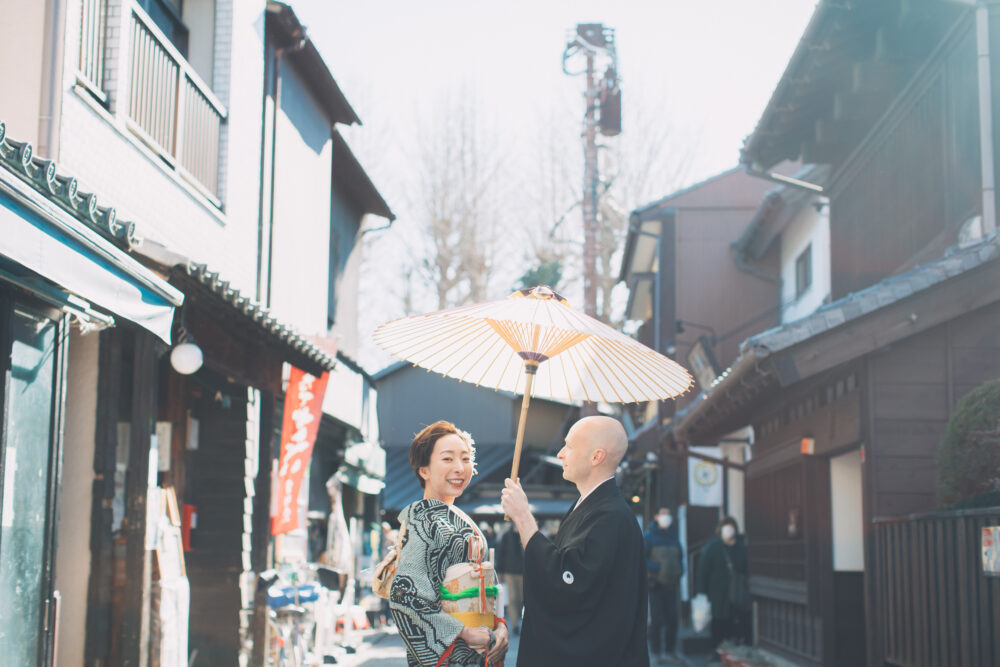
<point x="21" y="43"/>
<point x="97" y="148"/>
<point x="845" y="501"/>
<point x="737" y="453"/>
<point x="808" y="226"/>
<point x="303" y="196"/>
<point x="73" y="527"/>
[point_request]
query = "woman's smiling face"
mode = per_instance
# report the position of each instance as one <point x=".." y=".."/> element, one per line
<point x="450" y="469"/>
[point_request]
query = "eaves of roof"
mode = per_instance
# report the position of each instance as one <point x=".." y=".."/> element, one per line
<point x="248" y="310"/>
<point x="310" y="63"/>
<point x="759" y="366"/>
<point x="652" y="208"/>
<point x="839" y="36"/>
<point x="63" y="190"/>
<point x="350" y="178"/>
<point x="776" y="209"/>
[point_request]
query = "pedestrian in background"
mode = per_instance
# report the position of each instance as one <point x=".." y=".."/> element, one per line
<point x="510" y="567"/>
<point x="664" y="569"/>
<point x="722" y="577"/>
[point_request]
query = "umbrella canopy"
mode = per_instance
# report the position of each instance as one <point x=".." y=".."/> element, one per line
<point x="534" y="338"/>
<point x="575" y="357"/>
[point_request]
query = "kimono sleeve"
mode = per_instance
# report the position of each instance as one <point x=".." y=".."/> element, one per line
<point x="415" y="601"/>
<point x="572" y="577"/>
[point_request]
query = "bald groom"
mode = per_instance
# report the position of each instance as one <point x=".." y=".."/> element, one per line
<point x="585" y="590"/>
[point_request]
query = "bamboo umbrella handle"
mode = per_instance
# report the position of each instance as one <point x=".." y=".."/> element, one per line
<point x="529" y="376"/>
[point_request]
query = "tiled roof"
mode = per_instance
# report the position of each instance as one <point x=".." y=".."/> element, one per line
<point x="63" y="189"/>
<point x="754" y="350"/>
<point x="256" y="314"/>
<point x="875" y="297"/>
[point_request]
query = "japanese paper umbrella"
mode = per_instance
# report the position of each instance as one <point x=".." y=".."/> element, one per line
<point x="534" y="342"/>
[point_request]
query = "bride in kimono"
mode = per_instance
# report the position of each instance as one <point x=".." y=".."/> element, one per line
<point x="437" y="536"/>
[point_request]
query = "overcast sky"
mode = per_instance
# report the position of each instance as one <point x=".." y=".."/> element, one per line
<point x="705" y="68"/>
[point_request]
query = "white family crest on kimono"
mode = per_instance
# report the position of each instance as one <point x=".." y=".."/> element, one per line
<point x="438" y="537"/>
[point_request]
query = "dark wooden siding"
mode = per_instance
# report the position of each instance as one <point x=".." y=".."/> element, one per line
<point x="770" y="500"/>
<point x="916" y="178"/>
<point x="934" y="606"/>
<point x="915" y="386"/>
<point x="216" y="487"/>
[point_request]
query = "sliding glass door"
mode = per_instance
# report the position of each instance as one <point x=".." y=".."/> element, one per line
<point x="31" y="354"/>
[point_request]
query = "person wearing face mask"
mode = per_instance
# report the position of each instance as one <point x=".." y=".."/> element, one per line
<point x="664" y="568"/>
<point x="440" y="544"/>
<point x="722" y="577"/>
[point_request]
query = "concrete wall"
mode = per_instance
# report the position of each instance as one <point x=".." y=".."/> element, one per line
<point x="98" y="148"/>
<point x="21" y="44"/>
<point x="808" y="226"/>
<point x="304" y="161"/>
<point x="73" y="536"/>
<point x="846" y="494"/>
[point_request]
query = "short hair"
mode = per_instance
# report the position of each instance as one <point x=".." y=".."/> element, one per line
<point x="424" y="441"/>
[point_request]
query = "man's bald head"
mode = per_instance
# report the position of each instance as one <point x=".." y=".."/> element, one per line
<point x="605" y="433"/>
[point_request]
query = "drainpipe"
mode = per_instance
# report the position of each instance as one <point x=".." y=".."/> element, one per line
<point x="50" y="102"/>
<point x="986" y="118"/>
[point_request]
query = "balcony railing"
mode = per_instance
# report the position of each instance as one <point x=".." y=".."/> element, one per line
<point x="170" y="107"/>
<point x="92" y="31"/>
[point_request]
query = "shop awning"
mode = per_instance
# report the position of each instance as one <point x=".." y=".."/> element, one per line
<point x="42" y="237"/>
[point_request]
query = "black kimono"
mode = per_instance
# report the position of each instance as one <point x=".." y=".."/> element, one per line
<point x="585" y="593"/>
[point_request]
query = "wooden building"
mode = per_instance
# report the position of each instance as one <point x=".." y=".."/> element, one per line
<point x="848" y="404"/>
<point x="679" y="267"/>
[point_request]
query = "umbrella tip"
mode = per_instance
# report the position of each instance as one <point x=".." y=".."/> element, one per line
<point x="543" y="292"/>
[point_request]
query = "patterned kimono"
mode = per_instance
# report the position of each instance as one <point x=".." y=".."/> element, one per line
<point x="437" y="537"/>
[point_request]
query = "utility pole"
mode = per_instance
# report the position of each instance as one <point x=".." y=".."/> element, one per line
<point x="602" y="112"/>
<point x="590" y="176"/>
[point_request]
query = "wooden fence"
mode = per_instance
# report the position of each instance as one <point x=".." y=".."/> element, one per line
<point x="933" y="604"/>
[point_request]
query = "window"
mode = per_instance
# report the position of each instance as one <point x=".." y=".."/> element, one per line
<point x="803" y="271"/>
<point x="166" y="14"/>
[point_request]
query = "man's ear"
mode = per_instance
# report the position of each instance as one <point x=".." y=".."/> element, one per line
<point x="597" y="458"/>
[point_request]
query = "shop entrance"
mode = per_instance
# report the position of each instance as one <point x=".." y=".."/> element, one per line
<point x="31" y="352"/>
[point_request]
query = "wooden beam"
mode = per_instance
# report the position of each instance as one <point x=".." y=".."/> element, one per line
<point x="873" y="76"/>
<point x="816" y="153"/>
<point x="135" y="613"/>
<point x="865" y="106"/>
<point x="97" y="647"/>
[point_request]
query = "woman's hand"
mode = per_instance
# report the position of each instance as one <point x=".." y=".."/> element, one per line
<point x="499" y="652"/>
<point x="478" y="637"/>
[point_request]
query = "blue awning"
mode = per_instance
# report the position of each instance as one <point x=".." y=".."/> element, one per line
<point x="41" y="237"/>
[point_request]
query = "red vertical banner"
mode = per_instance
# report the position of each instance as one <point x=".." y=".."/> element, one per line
<point x="303" y="410"/>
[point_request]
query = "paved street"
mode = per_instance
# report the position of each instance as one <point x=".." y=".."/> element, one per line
<point x="384" y="648"/>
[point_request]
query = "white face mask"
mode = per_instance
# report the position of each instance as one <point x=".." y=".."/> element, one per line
<point x="728" y="532"/>
<point x="664" y="520"/>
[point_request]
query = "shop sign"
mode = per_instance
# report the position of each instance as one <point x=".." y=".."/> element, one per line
<point x="991" y="551"/>
<point x="303" y="409"/>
